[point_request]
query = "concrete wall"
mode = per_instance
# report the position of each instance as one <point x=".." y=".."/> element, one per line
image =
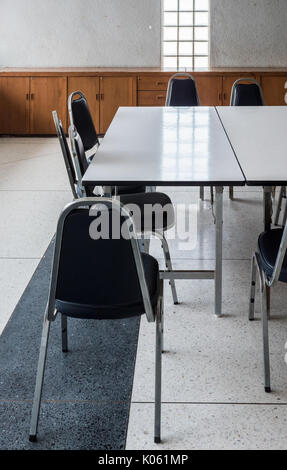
<point x="79" y="33"/>
<point x="250" y="33"/>
<point x="126" y="33"/>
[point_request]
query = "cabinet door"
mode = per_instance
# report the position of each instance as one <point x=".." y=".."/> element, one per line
<point x="47" y="94"/>
<point x="228" y="82"/>
<point x="115" y="92"/>
<point x="275" y="90"/>
<point x="90" y="86"/>
<point x="14" y="105"/>
<point x="209" y="90"/>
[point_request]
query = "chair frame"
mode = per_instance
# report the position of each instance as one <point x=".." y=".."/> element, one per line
<point x="265" y="283"/>
<point x="51" y="313"/>
<point x="80" y="192"/>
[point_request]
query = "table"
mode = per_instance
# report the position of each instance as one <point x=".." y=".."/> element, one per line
<point x="157" y="146"/>
<point x="258" y="136"/>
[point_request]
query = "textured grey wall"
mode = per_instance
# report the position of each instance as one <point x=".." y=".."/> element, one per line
<point x="79" y="33"/>
<point x="115" y="33"/>
<point x="248" y="33"/>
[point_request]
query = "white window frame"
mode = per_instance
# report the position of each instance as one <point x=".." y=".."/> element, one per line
<point x="192" y="54"/>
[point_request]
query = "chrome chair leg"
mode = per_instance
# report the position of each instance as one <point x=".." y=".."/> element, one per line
<point x="201" y="192"/>
<point x="279" y="206"/>
<point x="169" y="268"/>
<point x="211" y="195"/>
<point x="252" y="289"/>
<point x="284" y="215"/>
<point x="264" y="319"/>
<point x="64" y="326"/>
<point x="158" y="369"/>
<point x="268" y="302"/>
<point x="39" y="380"/>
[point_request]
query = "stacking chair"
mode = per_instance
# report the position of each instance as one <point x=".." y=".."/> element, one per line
<point x="81" y="119"/>
<point x="270" y="260"/>
<point x="182" y="91"/>
<point x="75" y="168"/>
<point x="81" y="281"/>
<point x="147" y="224"/>
<point x="245" y="94"/>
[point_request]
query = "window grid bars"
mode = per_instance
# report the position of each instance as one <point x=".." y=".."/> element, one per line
<point x="192" y="55"/>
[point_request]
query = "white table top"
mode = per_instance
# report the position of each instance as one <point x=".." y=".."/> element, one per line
<point x="259" y="139"/>
<point x="165" y="146"/>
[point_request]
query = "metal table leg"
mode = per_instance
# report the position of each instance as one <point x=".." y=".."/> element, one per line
<point x="267" y="197"/>
<point x="218" y="263"/>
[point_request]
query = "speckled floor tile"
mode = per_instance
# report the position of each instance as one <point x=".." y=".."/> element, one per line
<point x="212" y="427"/>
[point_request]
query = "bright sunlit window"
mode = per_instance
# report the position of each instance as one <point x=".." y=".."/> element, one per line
<point x="185" y="33"/>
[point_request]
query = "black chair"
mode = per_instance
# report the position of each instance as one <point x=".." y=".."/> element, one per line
<point x="75" y="167"/>
<point x="245" y="94"/>
<point x="182" y="91"/>
<point x="81" y="281"/>
<point x="81" y="119"/>
<point x="271" y="262"/>
<point x="148" y="223"/>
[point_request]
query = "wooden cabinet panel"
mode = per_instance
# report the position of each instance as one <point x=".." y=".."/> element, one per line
<point x="47" y="94"/>
<point x="115" y="92"/>
<point x="274" y="90"/>
<point x="90" y="86"/>
<point x="209" y="90"/>
<point x="151" y="98"/>
<point x="228" y="82"/>
<point x="14" y="105"/>
<point x="153" y="83"/>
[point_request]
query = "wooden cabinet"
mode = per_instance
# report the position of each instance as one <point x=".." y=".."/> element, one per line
<point x="27" y="97"/>
<point x="115" y="92"/>
<point x="14" y="105"/>
<point x="209" y="90"/>
<point x="228" y="82"/>
<point x="274" y="90"/>
<point x="47" y="94"/>
<point x="90" y="86"/>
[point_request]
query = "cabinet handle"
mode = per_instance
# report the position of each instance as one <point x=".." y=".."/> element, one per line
<point x="98" y="96"/>
<point x="160" y="97"/>
<point x="102" y="96"/>
<point x="32" y="96"/>
<point x="160" y="83"/>
<point x="225" y="96"/>
<point x="27" y="96"/>
<point x="219" y="96"/>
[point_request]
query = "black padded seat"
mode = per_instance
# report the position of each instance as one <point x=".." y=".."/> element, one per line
<point x="268" y="246"/>
<point x="247" y="95"/>
<point x="183" y="93"/>
<point x="83" y="292"/>
<point x="151" y="221"/>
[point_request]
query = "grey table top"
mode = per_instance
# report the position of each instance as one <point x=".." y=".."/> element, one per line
<point x="259" y="138"/>
<point x="165" y="146"/>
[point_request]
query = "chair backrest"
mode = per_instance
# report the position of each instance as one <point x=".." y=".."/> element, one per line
<point x="182" y="91"/>
<point x="246" y="94"/>
<point x="91" y="270"/>
<point x="66" y="153"/>
<point x="80" y="117"/>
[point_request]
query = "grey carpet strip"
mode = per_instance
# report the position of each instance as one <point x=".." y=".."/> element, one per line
<point x="87" y="392"/>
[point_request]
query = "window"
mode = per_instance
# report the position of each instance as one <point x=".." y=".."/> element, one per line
<point x="185" y="34"/>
